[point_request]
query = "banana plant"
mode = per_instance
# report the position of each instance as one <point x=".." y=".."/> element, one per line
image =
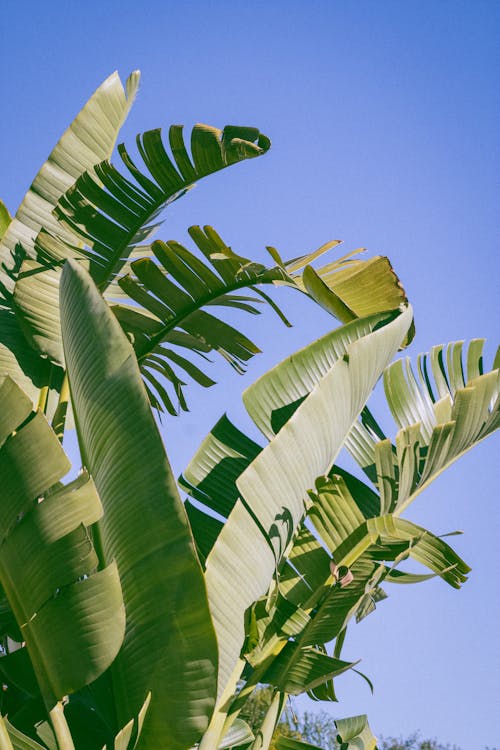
<point x="81" y="206"/>
<point x="328" y="555"/>
<point x="130" y="619"/>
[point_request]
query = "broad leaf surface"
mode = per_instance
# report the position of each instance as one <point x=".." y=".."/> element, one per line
<point x="89" y="139"/>
<point x="273" y="488"/>
<point x="109" y="215"/>
<point x="71" y="617"/>
<point x="274" y="397"/>
<point x="169" y="647"/>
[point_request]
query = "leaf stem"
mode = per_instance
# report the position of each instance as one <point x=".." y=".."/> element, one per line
<point x="59" y="419"/>
<point x="264" y="735"/>
<point x="61" y="728"/>
<point x="216" y="729"/>
<point x="43" y="399"/>
<point x="5" y="743"/>
<point x="202" y="301"/>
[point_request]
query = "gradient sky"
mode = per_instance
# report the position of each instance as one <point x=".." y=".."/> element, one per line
<point x="384" y="119"/>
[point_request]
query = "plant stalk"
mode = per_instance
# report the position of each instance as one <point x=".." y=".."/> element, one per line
<point x="239" y="702"/>
<point x="216" y="729"/>
<point x="43" y="399"/>
<point x="5" y="743"/>
<point x="61" y="728"/>
<point x="264" y="735"/>
<point x="59" y="420"/>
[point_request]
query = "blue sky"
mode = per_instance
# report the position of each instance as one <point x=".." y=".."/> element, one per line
<point x="384" y="119"/>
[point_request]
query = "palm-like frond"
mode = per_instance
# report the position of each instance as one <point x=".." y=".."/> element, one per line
<point x="309" y="601"/>
<point x="444" y="408"/>
<point x="112" y="213"/>
<point x="104" y="215"/>
<point x="172" y="291"/>
<point x="175" y="292"/>
<point x="71" y="617"/>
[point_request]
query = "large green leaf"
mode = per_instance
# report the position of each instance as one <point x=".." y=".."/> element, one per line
<point x="339" y="511"/>
<point x="274" y="397"/>
<point x="443" y="409"/>
<point x="344" y="511"/>
<point x="110" y="215"/>
<point x="71" y="617"/>
<point x="169" y="647"/>
<point x="175" y="291"/>
<point x="89" y="139"/>
<point x="296" y="670"/>
<point x="273" y="488"/>
<point x="18" y="360"/>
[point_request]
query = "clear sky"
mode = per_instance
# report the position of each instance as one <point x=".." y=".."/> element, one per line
<point x="384" y="117"/>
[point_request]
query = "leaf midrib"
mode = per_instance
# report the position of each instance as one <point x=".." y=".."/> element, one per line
<point x="158" y="338"/>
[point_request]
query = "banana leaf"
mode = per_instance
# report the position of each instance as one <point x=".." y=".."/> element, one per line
<point x="274" y="487"/>
<point x="89" y="139"/>
<point x="70" y="614"/>
<point x="169" y="648"/>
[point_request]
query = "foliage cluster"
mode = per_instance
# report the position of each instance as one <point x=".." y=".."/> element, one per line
<point x="132" y="617"/>
<point x="318" y="728"/>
